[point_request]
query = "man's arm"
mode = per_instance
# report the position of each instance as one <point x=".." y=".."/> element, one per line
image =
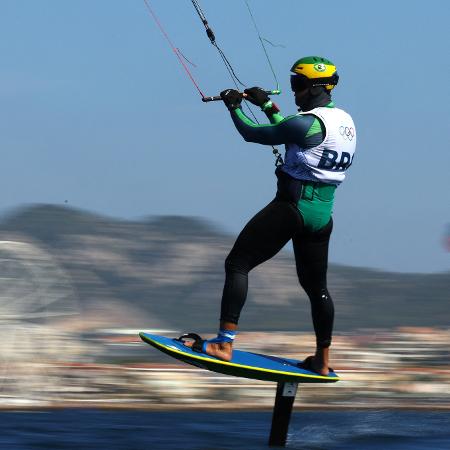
<point x="272" y="112"/>
<point x="281" y="131"/>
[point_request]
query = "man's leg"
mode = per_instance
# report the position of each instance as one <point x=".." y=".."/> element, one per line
<point x="261" y="239"/>
<point x="311" y="256"/>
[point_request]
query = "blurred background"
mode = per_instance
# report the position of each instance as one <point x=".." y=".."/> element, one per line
<point x="122" y="194"/>
<point x="78" y="287"/>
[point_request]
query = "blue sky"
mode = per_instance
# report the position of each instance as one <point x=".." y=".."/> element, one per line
<point x="95" y="110"/>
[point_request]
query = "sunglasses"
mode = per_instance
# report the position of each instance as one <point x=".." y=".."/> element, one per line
<point x="299" y="83"/>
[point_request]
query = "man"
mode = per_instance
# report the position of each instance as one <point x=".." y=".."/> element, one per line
<point x="320" y="144"/>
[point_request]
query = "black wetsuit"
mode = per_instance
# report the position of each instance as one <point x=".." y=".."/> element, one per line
<point x="262" y="238"/>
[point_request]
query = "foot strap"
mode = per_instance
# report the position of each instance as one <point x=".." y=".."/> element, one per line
<point x="199" y="345"/>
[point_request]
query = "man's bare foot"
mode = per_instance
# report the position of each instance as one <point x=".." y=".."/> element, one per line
<point x="223" y="350"/>
<point x="317" y="365"/>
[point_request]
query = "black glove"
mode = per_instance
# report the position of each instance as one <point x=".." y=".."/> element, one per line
<point x="231" y="98"/>
<point x="257" y="96"/>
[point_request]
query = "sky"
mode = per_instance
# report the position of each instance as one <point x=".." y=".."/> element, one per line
<point x="96" y="113"/>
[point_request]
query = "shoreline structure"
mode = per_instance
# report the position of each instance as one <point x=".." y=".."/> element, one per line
<point x="407" y="368"/>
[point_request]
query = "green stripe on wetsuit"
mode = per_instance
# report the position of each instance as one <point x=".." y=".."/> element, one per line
<point x="316" y="200"/>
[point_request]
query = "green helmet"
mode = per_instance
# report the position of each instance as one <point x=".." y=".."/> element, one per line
<point x="314" y="71"/>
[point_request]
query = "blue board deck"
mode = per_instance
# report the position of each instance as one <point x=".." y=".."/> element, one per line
<point x="243" y="364"/>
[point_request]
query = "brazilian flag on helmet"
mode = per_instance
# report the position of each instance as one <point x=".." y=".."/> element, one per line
<point x="313" y="71"/>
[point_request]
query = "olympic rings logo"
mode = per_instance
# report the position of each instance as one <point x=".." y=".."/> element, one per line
<point x="347" y="132"/>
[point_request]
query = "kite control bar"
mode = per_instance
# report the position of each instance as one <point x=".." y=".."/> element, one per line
<point x="218" y="97"/>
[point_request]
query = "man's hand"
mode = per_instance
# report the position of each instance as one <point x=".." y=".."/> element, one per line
<point x="257" y="96"/>
<point x="231" y="98"/>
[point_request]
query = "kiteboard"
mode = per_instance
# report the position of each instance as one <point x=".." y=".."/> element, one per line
<point x="243" y="364"/>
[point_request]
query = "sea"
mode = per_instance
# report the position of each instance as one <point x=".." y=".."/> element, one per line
<point x="143" y="430"/>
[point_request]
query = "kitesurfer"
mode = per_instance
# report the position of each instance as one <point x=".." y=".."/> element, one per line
<point x="320" y="144"/>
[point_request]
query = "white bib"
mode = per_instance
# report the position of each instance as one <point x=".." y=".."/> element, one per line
<point x="328" y="161"/>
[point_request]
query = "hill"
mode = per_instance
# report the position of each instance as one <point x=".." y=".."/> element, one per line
<point x="167" y="272"/>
